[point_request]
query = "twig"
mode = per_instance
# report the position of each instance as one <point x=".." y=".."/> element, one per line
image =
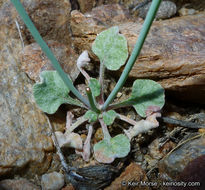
<point x="19" y="31"/>
<point x="182" y="123"/>
<point x="70" y="172"/>
<point x="59" y="152"/>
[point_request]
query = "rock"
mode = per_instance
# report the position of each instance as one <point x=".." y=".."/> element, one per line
<point x="173" y="53"/>
<point x="158" y="153"/>
<point x="185" y="11"/>
<point x="194" y="171"/>
<point x="166" y="10"/>
<point x="24" y="132"/>
<point x="17" y="184"/>
<point x="86" y="6"/>
<point x="33" y="60"/>
<point x="86" y="27"/>
<point x="173" y="164"/>
<point x="133" y="173"/>
<point x="68" y="187"/>
<point x="51" y="18"/>
<point x="52" y="181"/>
<point x="195" y="4"/>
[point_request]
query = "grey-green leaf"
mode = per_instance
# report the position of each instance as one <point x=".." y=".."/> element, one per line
<point x="106" y="151"/>
<point x="94" y="86"/>
<point x="109" y="117"/>
<point x="147" y="95"/>
<point x="111" y="48"/>
<point x="91" y="116"/>
<point x="51" y="92"/>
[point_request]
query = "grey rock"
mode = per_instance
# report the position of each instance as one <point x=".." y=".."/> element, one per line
<point x="166" y="10"/>
<point x="176" y="161"/>
<point x="52" y="181"/>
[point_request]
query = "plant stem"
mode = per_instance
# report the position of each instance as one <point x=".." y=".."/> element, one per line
<point x="128" y="120"/>
<point x="91" y="100"/>
<point x="101" y="81"/>
<point x="138" y="46"/>
<point x="105" y="130"/>
<point x="79" y="121"/>
<point x="46" y="50"/>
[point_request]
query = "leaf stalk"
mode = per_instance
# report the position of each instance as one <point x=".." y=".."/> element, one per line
<point x="91" y="100"/>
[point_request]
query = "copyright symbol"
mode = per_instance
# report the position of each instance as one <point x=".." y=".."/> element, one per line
<point x="123" y="183"/>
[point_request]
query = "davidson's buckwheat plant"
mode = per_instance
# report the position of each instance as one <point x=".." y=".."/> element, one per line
<point x="147" y="96"/>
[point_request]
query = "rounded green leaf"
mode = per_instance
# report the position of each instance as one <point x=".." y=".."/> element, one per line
<point x="109" y="117"/>
<point x="120" y="145"/>
<point x="106" y="151"/>
<point x="94" y="86"/>
<point x="111" y="48"/>
<point x="147" y="95"/>
<point x="91" y="116"/>
<point x="103" y="152"/>
<point x="51" y="92"/>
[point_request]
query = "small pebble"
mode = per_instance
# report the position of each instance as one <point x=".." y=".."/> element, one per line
<point x="52" y="181"/>
<point x="98" y="135"/>
<point x="185" y="11"/>
<point x="119" y="94"/>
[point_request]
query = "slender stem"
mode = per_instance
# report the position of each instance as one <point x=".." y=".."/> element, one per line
<point x="91" y="100"/>
<point x="101" y="81"/>
<point x="84" y="73"/>
<point x="105" y="130"/>
<point x="79" y="121"/>
<point x="138" y="46"/>
<point x="69" y="119"/>
<point x="128" y="120"/>
<point x="47" y="50"/>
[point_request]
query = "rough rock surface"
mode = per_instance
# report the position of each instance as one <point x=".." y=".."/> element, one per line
<point x="51" y="18"/>
<point x="132" y="173"/>
<point x="173" y="164"/>
<point x="173" y="53"/>
<point x="52" y="181"/>
<point x="24" y="137"/>
<point x="17" y="184"/>
<point x="86" y="6"/>
<point x="33" y="60"/>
